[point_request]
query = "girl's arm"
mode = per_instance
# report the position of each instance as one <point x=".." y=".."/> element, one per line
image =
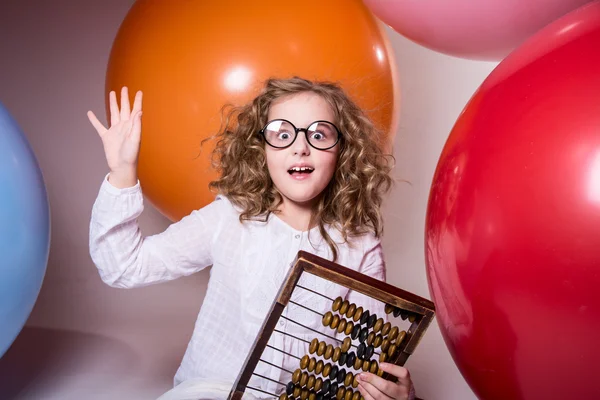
<point x="127" y="259"/>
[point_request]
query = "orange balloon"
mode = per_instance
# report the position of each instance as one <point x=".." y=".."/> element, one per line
<point x="192" y="57"/>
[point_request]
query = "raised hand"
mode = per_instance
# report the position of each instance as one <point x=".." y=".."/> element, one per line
<point x="372" y="387"/>
<point x="122" y="140"/>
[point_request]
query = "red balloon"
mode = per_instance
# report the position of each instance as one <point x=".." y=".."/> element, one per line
<point x="513" y="221"/>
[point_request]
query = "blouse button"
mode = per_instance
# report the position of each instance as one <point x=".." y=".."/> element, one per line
<point x="297" y="236"/>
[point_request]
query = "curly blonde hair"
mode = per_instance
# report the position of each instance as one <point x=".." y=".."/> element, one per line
<point x="351" y="202"/>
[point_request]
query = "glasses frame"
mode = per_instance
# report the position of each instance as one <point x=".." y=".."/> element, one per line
<point x="305" y="130"/>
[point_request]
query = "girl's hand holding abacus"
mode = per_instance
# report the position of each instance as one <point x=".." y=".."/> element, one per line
<point x="373" y="387"/>
<point x="122" y="140"/>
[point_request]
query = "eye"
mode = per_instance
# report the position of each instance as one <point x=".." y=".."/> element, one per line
<point x="284" y="135"/>
<point x="317" y="136"/>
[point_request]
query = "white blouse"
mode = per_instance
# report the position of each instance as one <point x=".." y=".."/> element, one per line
<point x="249" y="263"/>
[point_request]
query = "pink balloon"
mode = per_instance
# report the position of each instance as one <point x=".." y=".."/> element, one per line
<point x="476" y="29"/>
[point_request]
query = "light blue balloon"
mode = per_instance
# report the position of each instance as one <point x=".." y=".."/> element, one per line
<point x="24" y="230"/>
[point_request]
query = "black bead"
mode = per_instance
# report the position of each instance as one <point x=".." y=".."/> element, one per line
<point x="350" y="360"/>
<point x="341" y="375"/>
<point x="371" y="321"/>
<point x="326" y="386"/>
<point x="355" y="331"/>
<point x="396" y="312"/>
<point x="333" y="388"/>
<point x="342" y="359"/>
<point x="369" y="352"/>
<point x="364" y="317"/>
<point x="333" y="373"/>
<point x="361" y="350"/>
<point x="404" y="315"/>
<point x="289" y="389"/>
<point x="364" y="332"/>
<point x="320" y="396"/>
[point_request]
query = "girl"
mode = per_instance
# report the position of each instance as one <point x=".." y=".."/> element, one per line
<point x="300" y="169"/>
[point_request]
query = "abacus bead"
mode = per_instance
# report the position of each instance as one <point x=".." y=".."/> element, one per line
<point x="342" y="325"/>
<point x="337" y="303"/>
<point x="357" y="314"/>
<point x="364" y="332"/>
<point x="378" y="340"/>
<point x="385" y="344"/>
<point x="304" y="394"/>
<point x="379" y="372"/>
<point x="357" y="363"/>
<point x="303" y="379"/>
<point x="360" y="351"/>
<point x="320" y="396"/>
<point x="403" y="315"/>
<point x="374" y="367"/>
<point x="349" y="327"/>
<point x="318" y="384"/>
<point x="348" y="395"/>
<point x="342" y="359"/>
<point x="311" y="364"/>
<point x="312" y="396"/>
<point x="321" y="349"/>
<point x="355" y="382"/>
<point x="304" y="361"/>
<point x="336" y="354"/>
<point x="371" y="321"/>
<point x="346" y="343"/>
<point x="393" y="333"/>
<point x="340" y="393"/>
<point x="348" y="379"/>
<point x="364" y="317"/>
<point x="356" y="395"/>
<point x="355" y="331"/>
<point x="389" y="308"/>
<point x="326" y="386"/>
<point x="319" y="367"/>
<point x="351" y="310"/>
<point x="311" y="382"/>
<point x="400" y="338"/>
<point x="366" y="364"/>
<point x="412" y="318"/>
<point x="341" y="375"/>
<point x="369" y="352"/>
<point x="333" y="373"/>
<point x="397" y="312"/>
<point x="326" y="369"/>
<point x="283" y="396"/>
<point x="333" y="388"/>
<point x="328" y="351"/>
<point x="378" y="325"/>
<point x="296" y="391"/>
<point x="370" y="338"/>
<point x="350" y="360"/>
<point x="386" y="328"/>
<point x="392" y="350"/>
<point x="313" y="345"/>
<point x="327" y="317"/>
<point x="296" y="376"/>
<point x="344" y="307"/>
<point x="335" y="321"/>
<point x="289" y="389"/>
<point x="383" y="357"/>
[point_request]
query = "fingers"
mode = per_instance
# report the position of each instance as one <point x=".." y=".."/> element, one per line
<point x="97" y="124"/>
<point x="125" y="107"/>
<point x="376" y="387"/>
<point x="136" y="129"/>
<point x="399" y="372"/>
<point x="114" y="108"/>
<point x="137" y="103"/>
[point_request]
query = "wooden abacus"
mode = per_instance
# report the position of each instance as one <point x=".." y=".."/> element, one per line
<point x="369" y="331"/>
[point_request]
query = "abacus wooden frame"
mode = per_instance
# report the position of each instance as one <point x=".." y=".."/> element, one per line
<point x="423" y="309"/>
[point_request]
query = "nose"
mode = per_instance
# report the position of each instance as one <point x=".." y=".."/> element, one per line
<point x="300" y="145"/>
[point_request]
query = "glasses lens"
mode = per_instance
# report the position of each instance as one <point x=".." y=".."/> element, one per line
<point x="322" y="135"/>
<point x="279" y="133"/>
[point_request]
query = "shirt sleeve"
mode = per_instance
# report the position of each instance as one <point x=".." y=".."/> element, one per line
<point x="126" y="259"/>
<point x="372" y="265"/>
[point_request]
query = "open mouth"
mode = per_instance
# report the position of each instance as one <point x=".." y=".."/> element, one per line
<point x="300" y="170"/>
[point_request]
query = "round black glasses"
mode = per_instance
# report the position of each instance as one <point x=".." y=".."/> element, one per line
<point x="281" y="133"/>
